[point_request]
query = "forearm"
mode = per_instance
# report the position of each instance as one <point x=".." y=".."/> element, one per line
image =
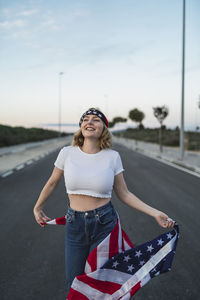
<point x="131" y="200"/>
<point x="44" y="195"/>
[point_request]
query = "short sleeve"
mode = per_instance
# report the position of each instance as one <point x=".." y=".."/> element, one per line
<point x="59" y="163"/>
<point x="118" y="165"/>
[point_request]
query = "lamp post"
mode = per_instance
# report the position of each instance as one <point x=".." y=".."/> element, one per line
<point x="59" y="102"/>
<point x="182" y="89"/>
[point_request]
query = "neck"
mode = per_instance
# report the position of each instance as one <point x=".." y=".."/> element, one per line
<point x="91" y="146"/>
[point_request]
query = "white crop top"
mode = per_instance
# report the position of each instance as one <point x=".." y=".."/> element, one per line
<point x="89" y="174"/>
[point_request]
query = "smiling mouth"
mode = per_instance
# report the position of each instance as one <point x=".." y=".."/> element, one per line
<point x="92" y="129"/>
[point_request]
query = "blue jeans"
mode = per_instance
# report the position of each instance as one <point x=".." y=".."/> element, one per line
<point x="84" y="231"/>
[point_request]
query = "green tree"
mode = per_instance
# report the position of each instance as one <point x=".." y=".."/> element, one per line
<point x="160" y="112"/>
<point x="137" y="116"/>
<point x="116" y="120"/>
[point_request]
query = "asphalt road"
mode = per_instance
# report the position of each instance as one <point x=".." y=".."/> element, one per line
<point x="32" y="258"/>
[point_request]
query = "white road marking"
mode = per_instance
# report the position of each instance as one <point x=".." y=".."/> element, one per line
<point x="20" y="167"/>
<point x="7" y="173"/>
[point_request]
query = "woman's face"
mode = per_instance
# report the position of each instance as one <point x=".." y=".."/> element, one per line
<point x="92" y="126"/>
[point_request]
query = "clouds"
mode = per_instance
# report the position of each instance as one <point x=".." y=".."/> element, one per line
<point x="27" y="13"/>
<point x="18" y="23"/>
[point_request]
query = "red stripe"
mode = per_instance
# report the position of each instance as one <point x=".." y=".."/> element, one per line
<point x="126" y="238"/>
<point x="113" y="243"/>
<point x="100" y="285"/>
<point x="135" y="288"/>
<point x="74" y="295"/>
<point x="61" y="221"/>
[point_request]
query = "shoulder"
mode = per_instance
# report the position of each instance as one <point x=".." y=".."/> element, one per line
<point x="66" y="149"/>
<point x="113" y="153"/>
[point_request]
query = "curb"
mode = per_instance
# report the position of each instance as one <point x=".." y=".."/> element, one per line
<point x="21" y="147"/>
<point x="26" y="163"/>
<point x="31" y="160"/>
<point x="174" y="163"/>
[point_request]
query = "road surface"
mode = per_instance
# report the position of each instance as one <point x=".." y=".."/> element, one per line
<point x="32" y="258"/>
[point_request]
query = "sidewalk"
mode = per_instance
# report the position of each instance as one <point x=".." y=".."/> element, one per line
<point x="14" y="158"/>
<point x="171" y="155"/>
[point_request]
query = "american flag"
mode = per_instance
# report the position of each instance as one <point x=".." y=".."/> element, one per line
<point x="116" y="269"/>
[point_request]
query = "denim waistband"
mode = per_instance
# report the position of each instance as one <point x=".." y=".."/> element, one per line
<point x="93" y="211"/>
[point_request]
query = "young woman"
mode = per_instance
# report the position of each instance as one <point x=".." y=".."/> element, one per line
<point x="91" y="170"/>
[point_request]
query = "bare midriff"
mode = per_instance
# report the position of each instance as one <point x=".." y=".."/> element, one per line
<point x="85" y="202"/>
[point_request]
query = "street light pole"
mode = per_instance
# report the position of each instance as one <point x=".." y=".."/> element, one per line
<point x="59" y="102"/>
<point x="183" y="88"/>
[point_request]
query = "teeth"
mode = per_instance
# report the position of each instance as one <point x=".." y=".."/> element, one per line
<point x="90" y="129"/>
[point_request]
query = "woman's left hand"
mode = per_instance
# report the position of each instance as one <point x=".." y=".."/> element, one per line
<point x="163" y="220"/>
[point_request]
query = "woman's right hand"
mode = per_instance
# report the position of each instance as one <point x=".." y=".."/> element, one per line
<point x="40" y="216"/>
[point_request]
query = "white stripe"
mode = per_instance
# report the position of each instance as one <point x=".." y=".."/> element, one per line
<point x="6" y="174"/>
<point x="88" y="291"/>
<point x="126" y="297"/>
<point x="120" y="238"/>
<point x="120" y="235"/>
<point x="145" y="280"/>
<point x="87" y="268"/>
<point x="103" y="252"/>
<point x="108" y="275"/>
<point x="144" y="270"/>
<point x="29" y="162"/>
<point x="52" y="222"/>
<point x="126" y="246"/>
<point x="20" y="167"/>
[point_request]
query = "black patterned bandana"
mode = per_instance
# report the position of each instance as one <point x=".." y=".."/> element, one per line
<point x="96" y="112"/>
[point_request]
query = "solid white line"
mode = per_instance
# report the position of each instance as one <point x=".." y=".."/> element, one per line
<point x="164" y="160"/>
<point x="172" y="164"/>
<point x="7" y="174"/>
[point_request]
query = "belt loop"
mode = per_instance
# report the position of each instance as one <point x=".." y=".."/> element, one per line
<point x="96" y="212"/>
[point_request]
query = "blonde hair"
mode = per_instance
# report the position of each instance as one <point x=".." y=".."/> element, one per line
<point x="105" y="140"/>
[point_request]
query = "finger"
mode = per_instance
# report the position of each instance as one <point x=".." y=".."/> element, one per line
<point x="45" y="218"/>
<point x="170" y="220"/>
<point x="164" y="224"/>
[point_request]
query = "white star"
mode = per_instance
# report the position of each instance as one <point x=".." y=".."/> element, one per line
<point x="169" y="236"/>
<point x="157" y="273"/>
<point x="150" y="248"/>
<point x="115" y="264"/>
<point x="95" y="112"/>
<point x="138" y="253"/>
<point x="126" y="258"/>
<point x="142" y="262"/>
<point x="160" y="242"/>
<point x="130" y="268"/>
<point x="154" y="270"/>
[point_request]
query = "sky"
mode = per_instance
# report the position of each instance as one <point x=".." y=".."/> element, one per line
<point x="114" y="54"/>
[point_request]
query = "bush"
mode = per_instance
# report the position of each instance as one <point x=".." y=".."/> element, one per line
<point x="17" y="135"/>
<point x="169" y="137"/>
